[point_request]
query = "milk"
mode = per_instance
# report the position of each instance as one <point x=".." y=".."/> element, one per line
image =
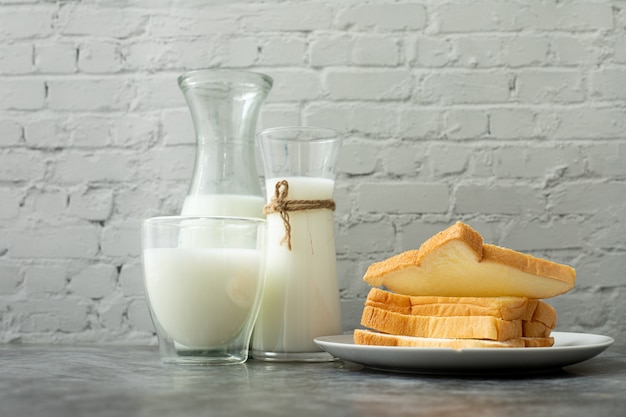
<point x="233" y="205"/>
<point x="300" y="300"/>
<point x="202" y="298"/>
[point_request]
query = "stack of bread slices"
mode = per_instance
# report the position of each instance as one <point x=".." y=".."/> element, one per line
<point x="457" y="292"/>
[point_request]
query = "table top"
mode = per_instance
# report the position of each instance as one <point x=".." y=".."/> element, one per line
<point x="126" y="381"/>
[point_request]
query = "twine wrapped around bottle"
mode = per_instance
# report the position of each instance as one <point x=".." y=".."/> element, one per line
<point x="279" y="204"/>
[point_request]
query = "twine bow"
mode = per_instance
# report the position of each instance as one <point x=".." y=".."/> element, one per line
<point x="279" y="204"/>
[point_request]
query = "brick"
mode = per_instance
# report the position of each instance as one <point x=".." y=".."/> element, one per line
<point x="9" y="203"/>
<point x="523" y="51"/>
<point x="466" y="88"/>
<point x="389" y="84"/>
<point x="91" y="204"/>
<point x="420" y="123"/>
<point x="402" y="16"/>
<point x="332" y="115"/>
<point x="472" y="17"/>
<point x="111" y="22"/>
<point x="609" y="84"/>
<point x="288" y="17"/>
<point x="100" y="57"/>
<point x="95" y="281"/>
<point x="135" y="130"/>
<point x="403" y="198"/>
<point x="158" y="93"/>
<point x="104" y="94"/>
<point x="330" y="49"/>
<point x="606" y="160"/>
<point x="12" y="23"/>
<point x="46" y="202"/>
<point x="54" y="242"/>
<point x="9" y="279"/>
<point x="572" y="51"/>
<point x="11" y="132"/>
<point x="500" y="199"/>
<point x="465" y="124"/>
<point x="16" y="59"/>
<point x="447" y="159"/>
<point x="550" y="86"/>
<point x="105" y="167"/>
<point x="403" y="159"/>
<point x="588" y="123"/>
<point x="375" y="119"/>
<point x="358" y="158"/>
<point x="242" y="52"/>
<point x="172" y="163"/>
<point x="477" y="52"/>
<point x="177" y="127"/>
<point x="588" y="198"/>
<point x="49" y="279"/>
<point x="512" y="123"/>
<point x="373" y="50"/>
<point x="605" y="270"/>
<point x="139" y="316"/>
<point x="171" y="54"/>
<point x="131" y="279"/>
<point x="563" y="234"/>
<point x="47" y="133"/>
<point x="66" y="315"/>
<point x="619" y="49"/>
<point x="282" y="51"/>
<point x="357" y="238"/>
<point x="122" y="238"/>
<point x="22" y="166"/>
<point x="22" y="94"/>
<point x="111" y="312"/>
<point x="571" y="16"/>
<point x="138" y="202"/>
<point x="87" y="131"/>
<point x="279" y="115"/>
<point x="294" y="85"/>
<point x="430" y="52"/>
<point x="56" y="58"/>
<point x="538" y="162"/>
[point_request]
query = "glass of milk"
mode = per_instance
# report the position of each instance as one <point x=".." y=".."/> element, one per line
<point x="301" y="297"/>
<point x="203" y="278"/>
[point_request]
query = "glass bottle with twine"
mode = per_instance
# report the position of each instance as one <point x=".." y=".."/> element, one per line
<point x="301" y="295"/>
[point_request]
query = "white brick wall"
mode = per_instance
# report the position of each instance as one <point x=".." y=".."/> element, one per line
<point x="508" y="115"/>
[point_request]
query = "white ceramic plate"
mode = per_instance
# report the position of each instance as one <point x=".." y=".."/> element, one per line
<point x="568" y="349"/>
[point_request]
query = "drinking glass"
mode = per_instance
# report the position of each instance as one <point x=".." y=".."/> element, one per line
<point x="203" y="279"/>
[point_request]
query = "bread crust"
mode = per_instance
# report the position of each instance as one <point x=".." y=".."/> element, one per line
<point x="457" y="327"/>
<point x="367" y="337"/>
<point x="437" y="269"/>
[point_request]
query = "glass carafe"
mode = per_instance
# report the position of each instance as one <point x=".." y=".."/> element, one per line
<point x="301" y="296"/>
<point x="224" y="107"/>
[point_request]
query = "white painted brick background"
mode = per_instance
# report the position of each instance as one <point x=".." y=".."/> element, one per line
<point x="508" y="115"/>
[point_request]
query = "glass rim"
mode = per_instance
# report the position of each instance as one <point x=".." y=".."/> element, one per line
<point x="220" y="75"/>
<point x="177" y="219"/>
<point x="326" y="134"/>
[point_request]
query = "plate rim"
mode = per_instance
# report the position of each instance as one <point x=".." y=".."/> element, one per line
<point x="556" y="334"/>
<point x="434" y="360"/>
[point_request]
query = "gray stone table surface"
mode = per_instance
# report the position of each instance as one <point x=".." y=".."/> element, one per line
<point x="44" y="380"/>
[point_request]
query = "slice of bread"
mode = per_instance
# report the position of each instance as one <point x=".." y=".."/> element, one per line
<point x="456" y="263"/>
<point x="505" y="308"/>
<point x="456" y="327"/>
<point x="367" y="337"/>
